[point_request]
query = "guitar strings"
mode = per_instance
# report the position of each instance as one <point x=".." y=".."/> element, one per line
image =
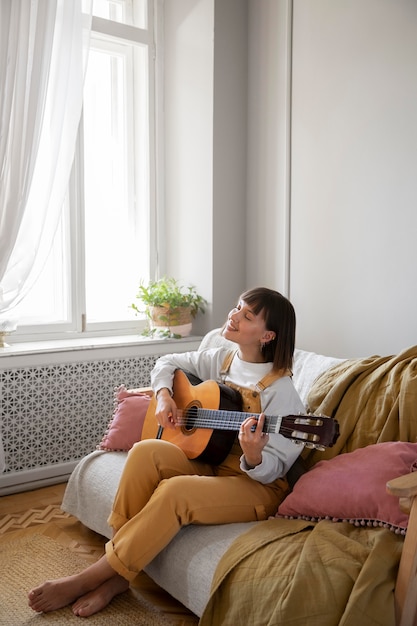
<point x="211" y="418"/>
<point x="197" y="417"/>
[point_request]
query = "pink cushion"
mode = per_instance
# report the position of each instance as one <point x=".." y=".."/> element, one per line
<point x="352" y="487"/>
<point x="126" y="425"/>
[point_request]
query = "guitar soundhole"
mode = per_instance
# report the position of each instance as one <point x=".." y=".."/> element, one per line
<point x="189" y="418"/>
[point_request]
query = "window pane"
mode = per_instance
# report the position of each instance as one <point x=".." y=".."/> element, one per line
<point x="132" y="12"/>
<point x="116" y="198"/>
<point x="102" y="246"/>
<point x="48" y="301"/>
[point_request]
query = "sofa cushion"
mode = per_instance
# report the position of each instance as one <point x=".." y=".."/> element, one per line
<point x="352" y="487"/>
<point x="125" y="427"/>
<point x="307" y="367"/>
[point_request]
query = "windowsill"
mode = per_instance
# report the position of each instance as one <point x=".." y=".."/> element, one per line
<point x="128" y="344"/>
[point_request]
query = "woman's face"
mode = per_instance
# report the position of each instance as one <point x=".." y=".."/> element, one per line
<point x="245" y="327"/>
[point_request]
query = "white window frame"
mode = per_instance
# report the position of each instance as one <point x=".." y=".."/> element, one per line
<point x="78" y="326"/>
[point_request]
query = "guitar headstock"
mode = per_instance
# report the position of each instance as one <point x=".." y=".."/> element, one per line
<point x="313" y="431"/>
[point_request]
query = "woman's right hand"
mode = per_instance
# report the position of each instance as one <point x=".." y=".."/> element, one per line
<point x="166" y="409"/>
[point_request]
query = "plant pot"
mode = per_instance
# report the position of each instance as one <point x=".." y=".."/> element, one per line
<point x="177" y="321"/>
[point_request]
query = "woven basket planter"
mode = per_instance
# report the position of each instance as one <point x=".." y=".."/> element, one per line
<point x="177" y="321"/>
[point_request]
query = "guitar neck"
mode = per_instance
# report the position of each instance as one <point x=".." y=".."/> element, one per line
<point x="227" y="420"/>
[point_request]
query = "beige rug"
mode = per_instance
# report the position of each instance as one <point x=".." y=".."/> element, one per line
<point x="28" y="561"/>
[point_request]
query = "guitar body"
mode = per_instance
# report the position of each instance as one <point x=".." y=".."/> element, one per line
<point x="205" y="444"/>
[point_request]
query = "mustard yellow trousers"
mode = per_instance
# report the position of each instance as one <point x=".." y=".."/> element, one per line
<point x="161" y="490"/>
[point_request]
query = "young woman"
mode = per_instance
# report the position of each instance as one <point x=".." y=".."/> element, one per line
<point x="161" y="489"/>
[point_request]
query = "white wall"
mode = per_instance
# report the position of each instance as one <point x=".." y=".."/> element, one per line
<point x="327" y="176"/>
<point x="354" y="183"/>
<point x="352" y="186"/>
<point x="188" y="122"/>
<point x="205" y="95"/>
<point x="229" y="155"/>
<point x="268" y="182"/>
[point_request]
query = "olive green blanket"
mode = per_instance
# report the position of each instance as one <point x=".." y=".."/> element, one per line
<point x="296" y="572"/>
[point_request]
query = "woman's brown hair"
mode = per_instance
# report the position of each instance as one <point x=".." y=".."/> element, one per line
<point x="279" y="316"/>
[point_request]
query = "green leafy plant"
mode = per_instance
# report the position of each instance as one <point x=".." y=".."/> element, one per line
<point x="165" y="303"/>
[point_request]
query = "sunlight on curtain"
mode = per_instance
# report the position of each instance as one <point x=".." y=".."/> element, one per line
<point x="43" y="50"/>
<point x="41" y="74"/>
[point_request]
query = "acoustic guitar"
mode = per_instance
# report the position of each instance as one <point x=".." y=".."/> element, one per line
<point x="210" y="414"/>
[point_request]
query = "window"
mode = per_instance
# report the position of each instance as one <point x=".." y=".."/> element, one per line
<point x="102" y="247"/>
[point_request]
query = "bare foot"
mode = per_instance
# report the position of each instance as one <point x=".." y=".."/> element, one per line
<point x="55" y="594"/>
<point x="97" y="600"/>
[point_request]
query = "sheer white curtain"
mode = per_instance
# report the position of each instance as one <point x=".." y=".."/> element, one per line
<point x="43" y="49"/>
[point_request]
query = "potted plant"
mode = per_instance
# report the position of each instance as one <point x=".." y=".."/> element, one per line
<point x="169" y="306"/>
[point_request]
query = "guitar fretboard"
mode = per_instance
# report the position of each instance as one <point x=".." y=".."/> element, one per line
<point x="224" y="420"/>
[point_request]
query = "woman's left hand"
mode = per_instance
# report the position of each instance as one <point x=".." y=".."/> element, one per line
<point x="252" y="439"/>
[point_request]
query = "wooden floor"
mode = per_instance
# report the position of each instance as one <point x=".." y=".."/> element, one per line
<point x="39" y="511"/>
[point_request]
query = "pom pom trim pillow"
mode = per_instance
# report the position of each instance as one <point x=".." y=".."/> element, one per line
<point x="352" y="487"/>
<point x="125" y="427"/>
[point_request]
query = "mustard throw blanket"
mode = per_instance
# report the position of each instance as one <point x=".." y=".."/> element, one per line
<point x="298" y="573"/>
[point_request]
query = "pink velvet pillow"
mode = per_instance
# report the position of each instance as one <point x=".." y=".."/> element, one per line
<point x="352" y="487"/>
<point x="126" y="425"/>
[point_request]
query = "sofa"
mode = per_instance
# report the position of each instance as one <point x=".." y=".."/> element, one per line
<point x="341" y="548"/>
